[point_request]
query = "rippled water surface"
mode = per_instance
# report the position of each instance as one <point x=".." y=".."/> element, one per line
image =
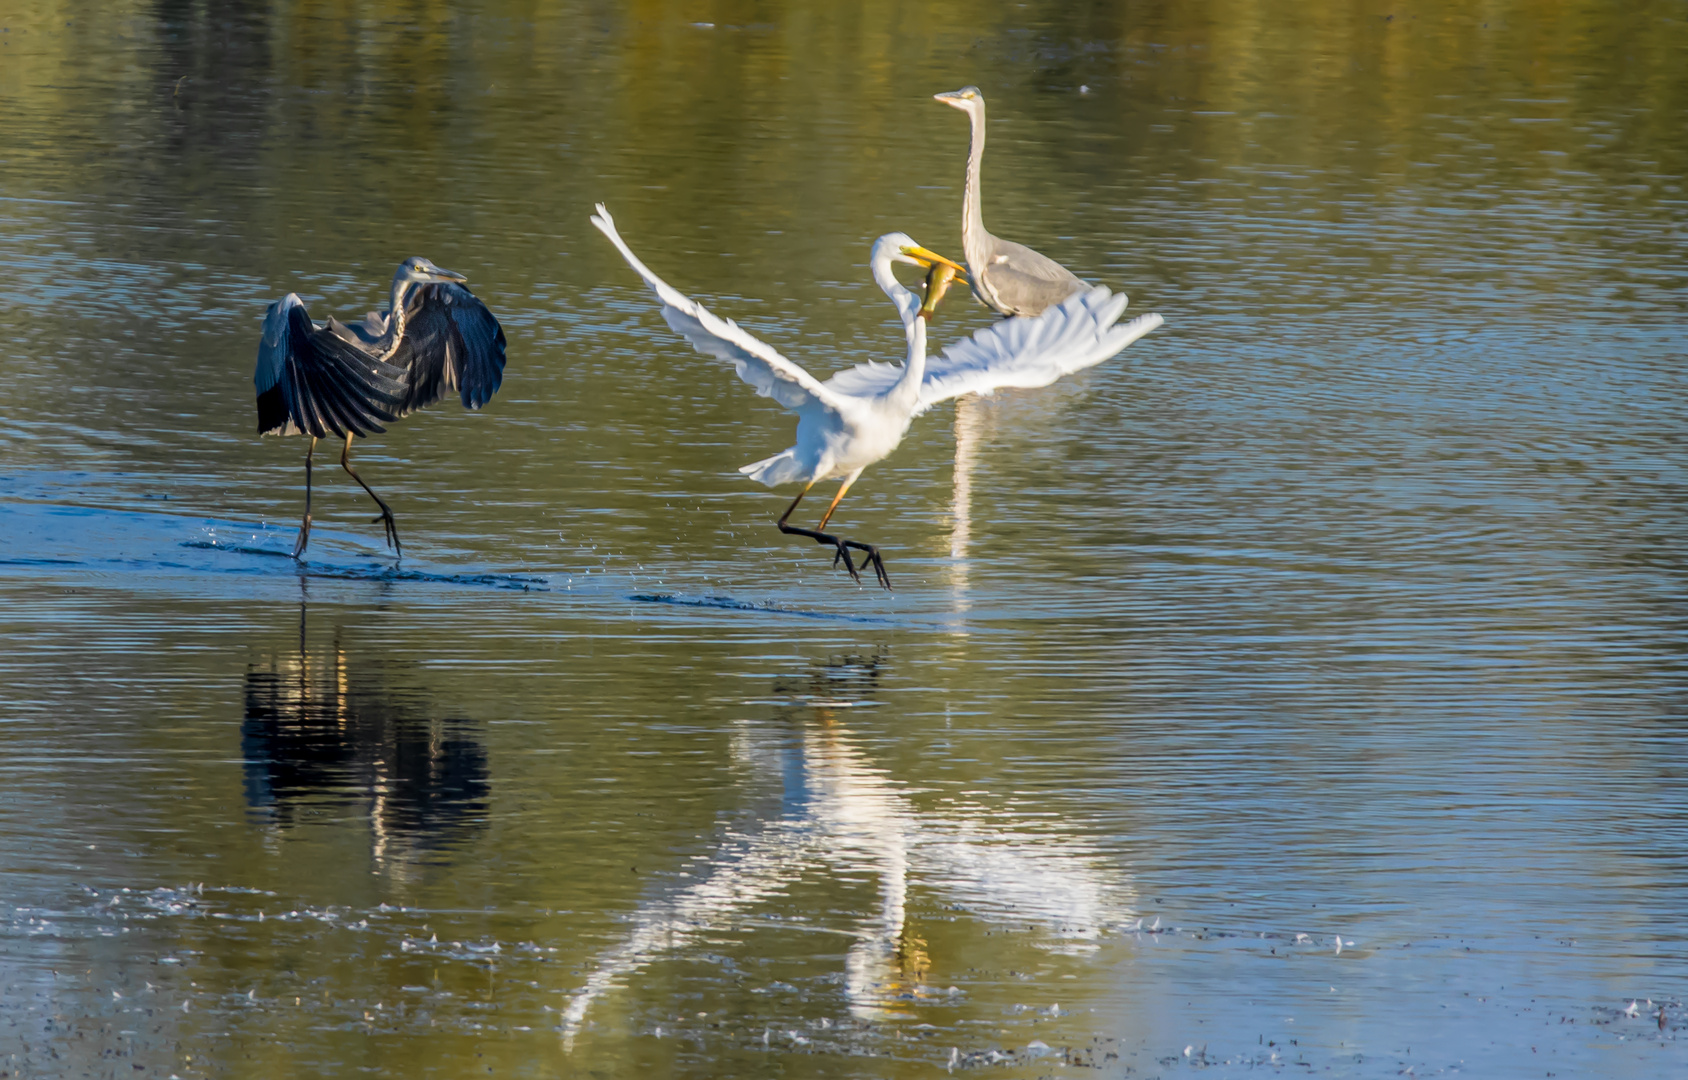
<point x="1301" y="691"/>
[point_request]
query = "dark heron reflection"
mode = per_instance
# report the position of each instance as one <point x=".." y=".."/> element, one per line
<point x="321" y="735"/>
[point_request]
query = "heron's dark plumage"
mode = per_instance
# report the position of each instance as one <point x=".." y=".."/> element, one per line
<point x="311" y="381"/>
<point x="451" y="342"/>
<point x="326" y="381"/>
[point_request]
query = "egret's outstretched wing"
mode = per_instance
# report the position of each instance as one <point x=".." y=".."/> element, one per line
<point x="756" y="362"/>
<point x="451" y="342"/>
<point x="309" y="380"/>
<point x="1021" y="352"/>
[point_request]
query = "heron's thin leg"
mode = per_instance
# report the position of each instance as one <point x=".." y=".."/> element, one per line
<point x="386" y="518"/>
<point x="305" y="525"/>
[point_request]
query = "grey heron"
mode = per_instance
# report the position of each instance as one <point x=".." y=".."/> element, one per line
<point x="1007" y="277"/>
<point x="860" y="415"/>
<point x="345" y="380"/>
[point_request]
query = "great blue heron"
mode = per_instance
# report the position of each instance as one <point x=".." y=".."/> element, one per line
<point x="860" y="415"/>
<point x="334" y="379"/>
<point x="1007" y="277"/>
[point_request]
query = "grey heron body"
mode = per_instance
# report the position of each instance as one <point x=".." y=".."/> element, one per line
<point x="1007" y="277"/>
<point x="334" y="379"/>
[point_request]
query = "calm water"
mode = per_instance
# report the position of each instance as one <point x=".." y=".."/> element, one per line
<point x="1352" y="605"/>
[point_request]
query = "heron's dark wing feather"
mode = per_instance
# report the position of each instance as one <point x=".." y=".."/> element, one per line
<point x="315" y="382"/>
<point x="451" y="342"/>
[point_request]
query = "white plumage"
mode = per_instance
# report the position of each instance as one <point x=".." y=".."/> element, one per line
<point x="838" y="419"/>
<point x="860" y="415"/>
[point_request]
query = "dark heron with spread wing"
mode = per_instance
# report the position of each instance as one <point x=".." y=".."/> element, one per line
<point x="344" y="381"/>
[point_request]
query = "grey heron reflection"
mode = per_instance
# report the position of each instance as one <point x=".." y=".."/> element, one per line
<point x="323" y="734"/>
<point x="834" y="811"/>
<point x="346" y="380"/>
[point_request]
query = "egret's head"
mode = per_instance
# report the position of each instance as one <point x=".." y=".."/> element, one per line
<point x="968" y="99"/>
<point x="900" y="247"/>
<point x="424" y="272"/>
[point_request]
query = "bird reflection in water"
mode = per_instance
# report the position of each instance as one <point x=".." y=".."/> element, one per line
<point x="836" y="811"/>
<point x="321" y="735"/>
<point x="967" y="424"/>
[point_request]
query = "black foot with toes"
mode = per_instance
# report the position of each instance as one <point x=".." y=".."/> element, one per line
<point x="841" y="549"/>
<point x="391" y="527"/>
<point x="843" y="552"/>
<point x="873" y="559"/>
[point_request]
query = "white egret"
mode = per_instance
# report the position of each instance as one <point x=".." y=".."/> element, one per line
<point x="1007" y="277"/>
<point x="861" y="414"/>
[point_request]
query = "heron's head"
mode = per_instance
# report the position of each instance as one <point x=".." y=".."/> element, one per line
<point x="424" y="272"/>
<point x="968" y="99"/>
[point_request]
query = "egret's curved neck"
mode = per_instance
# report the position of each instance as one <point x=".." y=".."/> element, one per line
<point x="905" y="393"/>
<point x="972" y="217"/>
<point x="907" y="303"/>
<point x="388" y="343"/>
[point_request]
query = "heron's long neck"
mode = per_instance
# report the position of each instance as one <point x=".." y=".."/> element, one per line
<point x="388" y="343"/>
<point x="972" y="217"/>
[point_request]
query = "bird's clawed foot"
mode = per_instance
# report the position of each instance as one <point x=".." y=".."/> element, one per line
<point x="874" y="559"/>
<point x="391" y="527"/>
<point x="841" y="548"/>
<point x="304" y="539"/>
<point x="843" y="552"/>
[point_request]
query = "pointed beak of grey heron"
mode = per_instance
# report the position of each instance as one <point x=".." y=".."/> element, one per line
<point x="447" y="275"/>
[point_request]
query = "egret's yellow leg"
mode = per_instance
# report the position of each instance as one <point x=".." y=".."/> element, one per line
<point x="842" y="488"/>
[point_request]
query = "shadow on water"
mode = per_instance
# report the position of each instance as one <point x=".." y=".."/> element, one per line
<point x="327" y="729"/>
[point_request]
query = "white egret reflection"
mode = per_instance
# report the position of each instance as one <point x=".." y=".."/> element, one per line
<point x="967" y="423"/>
<point x="841" y="813"/>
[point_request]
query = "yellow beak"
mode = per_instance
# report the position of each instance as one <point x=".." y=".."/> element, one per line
<point x="927" y="258"/>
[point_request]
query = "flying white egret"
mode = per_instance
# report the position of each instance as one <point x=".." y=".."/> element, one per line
<point x="861" y="414"/>
<point x="1007" y="277"/>
<point x="334" y="379"/>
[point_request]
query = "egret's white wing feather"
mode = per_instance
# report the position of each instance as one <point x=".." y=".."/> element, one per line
<point x="1023" y="353"/>
<point x="756" y="362"/>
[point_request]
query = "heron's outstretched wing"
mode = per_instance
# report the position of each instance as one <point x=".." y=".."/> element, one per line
<point x="1021" y="352"/>
<point x="312" y="381"/>
<point x="757" y="363"/>
<point x="451" y="342"/>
